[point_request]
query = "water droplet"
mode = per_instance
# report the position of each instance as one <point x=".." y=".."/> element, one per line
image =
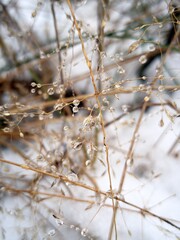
<point x="77" y="228"/>
<point x="88" y="162"/>
<point x="50" y="91"/>
<point x="41" y="117"/>
<point x="77" y="145"/>
<point x="58" y="106"/>
<point x="120" y="70"/>
<point x="59" y="221"/>
<point x="38" y="85"/>
<point x="34" y="14"/>
<point x="148" y="89"/>
<point x="152" y="48"/>
<point x="33" y="90"/>
<point x="141" y="87"/>
<point x="144" y="77"/>
<point x="161" y="123"/>
<point x="42" y="55"/>
<point x="21" y="134"/>
<point x="66" y="128"/>
<point x="125" y="108"/>
<point x="88" y="123"/>
<point x="161" y="88"/>
<point x="143" y="59"/>
<point x="33" y="84"/>
<point x="75" y="109"/>
<point x="161" y="77"/>
<point x="134" y="46"/>
<point x="73" y="177"/>
<point x="52" y="232"/>
<point x="76" y="102"/>
<point x="6" y="129"/>
<point x="84" y="232"/>
<point x="147" y="98"/>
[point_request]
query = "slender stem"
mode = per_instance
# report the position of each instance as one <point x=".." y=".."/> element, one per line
<point x="57" y="41"/>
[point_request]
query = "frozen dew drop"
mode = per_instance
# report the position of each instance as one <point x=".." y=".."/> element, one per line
<point x="34" y="14"/>
<point x="76" y="145"/>
<point x="33" y="90"/>
<point x="33" y="84"/>
<point x="59" y="221"/>
<point x="111" y="109"/>
<point x="161" y="88"/>
<point x="51" y="232"/>
<point x="72" y="226"/>
<point x="148" y="89"/>
<point x="143" y="59"/>
<point x="84" y="232"/>
<point x="38" y="85"/>
<point x="50" y="91"/>
<point x="161" y="123"/>
<point x="75" y="109"/>
<point x="76" y="102"/>
<point x="147" y="98"/>
<point x="6" y="113"/>
<point x="152" y="48"/>
<point x="125" y="108"/>
<point x="50" y="115"/>
<point x="141" y="87"/>
<point x="55" y="84"/>
<point x="73" y="177"/>
<point x="161" y="77"/>
<point x="58" y="106"/>
<point x="144" y="77"/>
<point x="21" y="134"/>
<point x="77" y="228"/>
<point x="89" y="123"/>
<point x="129" y="162"/>
<point x="66" y="128"/>
<point x="120" y="70"/>
<point x="39" y="157"/>
<point x="96" y="106"/>
<point x="42" y="55"/>
<point x="134" y="46"/>
<point x="41" y="117"/>
<point x="6" y="129"/>
<point x="88" y="162"/>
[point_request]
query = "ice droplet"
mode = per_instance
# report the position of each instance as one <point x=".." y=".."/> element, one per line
<point x="84" y="232"/>
<point x="76" y="102"/>
<point x="75" y="109"/>
<point x="42" y="55"/>
<point x="50" y="91"/>
<point x="147" y="98"/>
<point x="125" y="108"/>
<point x="59" y="221"/>
<point x="52" y="232"/>
<point x="121" y="70"/>
<point x="88" y="162"/>
<point x="161" y="88"/>
<point x="143" y="59"/>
